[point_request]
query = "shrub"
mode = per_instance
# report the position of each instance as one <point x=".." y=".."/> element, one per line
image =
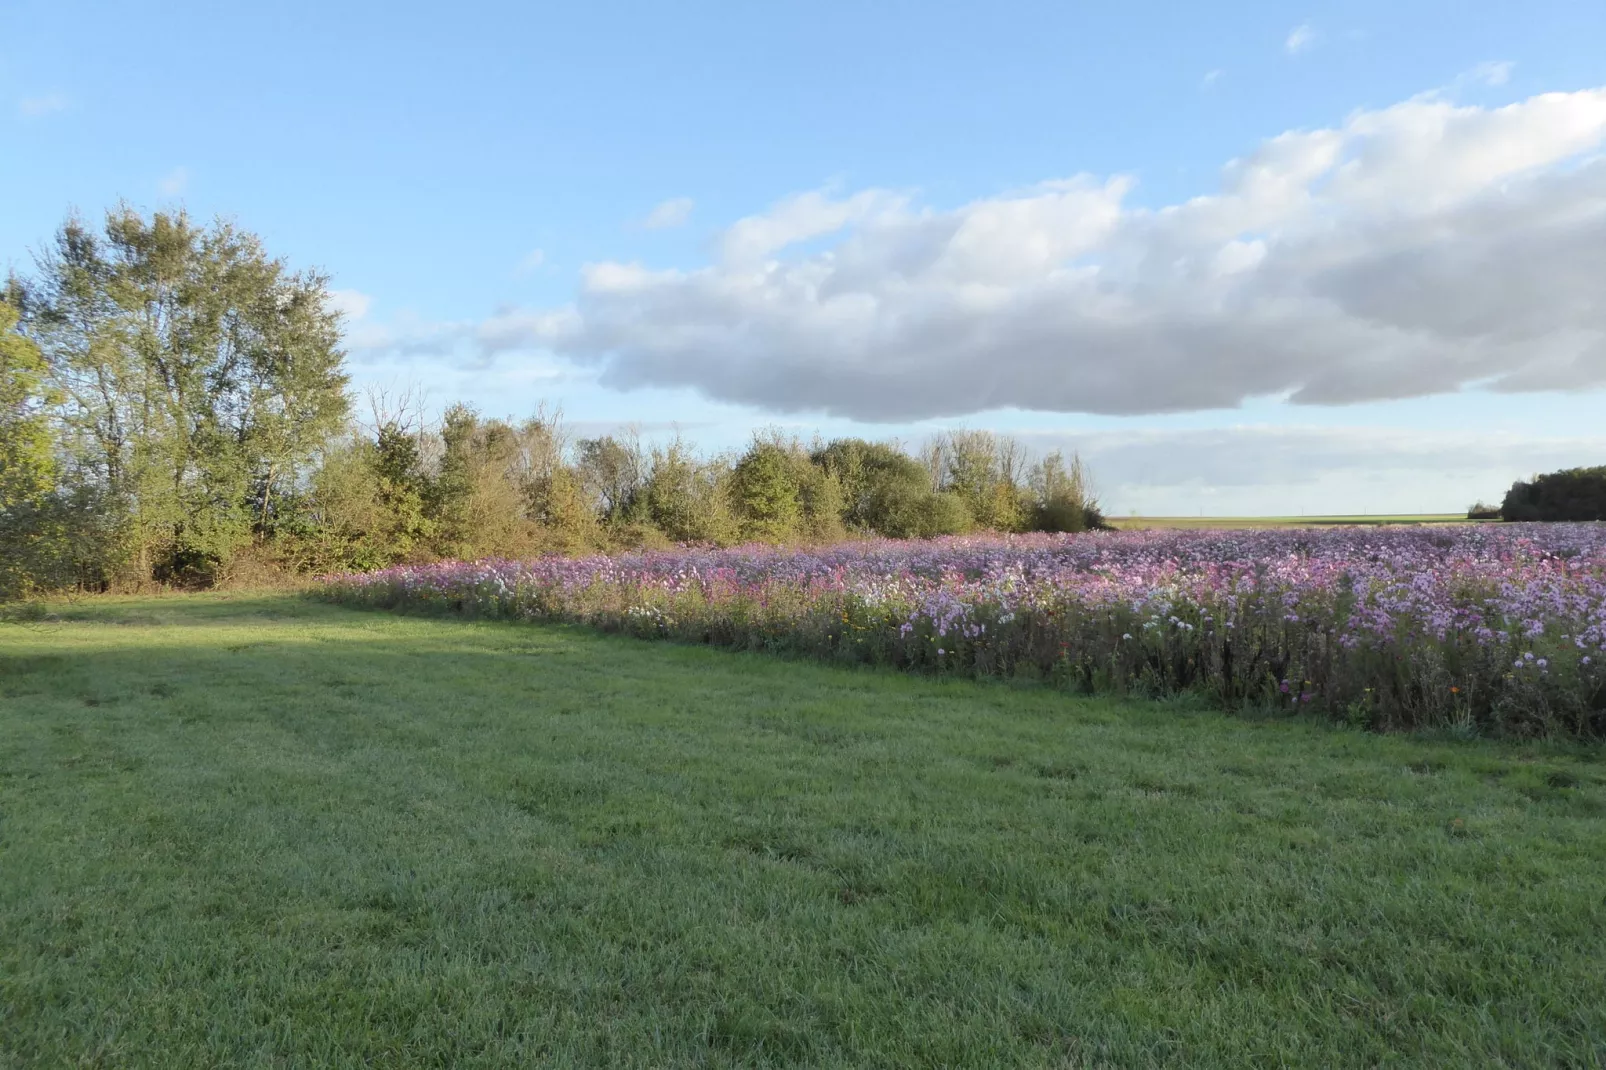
<point x="942" y="514"/>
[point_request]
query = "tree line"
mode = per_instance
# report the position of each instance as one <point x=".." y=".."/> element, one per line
<point x="1572" y="494"/>
<point x="174" y="408"/>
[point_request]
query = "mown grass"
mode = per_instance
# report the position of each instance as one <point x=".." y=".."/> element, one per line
<point x="262" y="831"/>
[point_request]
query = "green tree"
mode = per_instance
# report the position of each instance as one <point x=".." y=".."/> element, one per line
<point x="613" y="474"/>
<point x="688" y="499"/>
<point x="400" y="486"/>
<point x="884" y="490"/>
<point x="820" y="495"/>
<point x="1571" y="494"/>
<point x="363" y="507"/>
<point x="200" y="379"/>
<point x="1062" y="495"/>
<point x="555" y="491"/>
<point x="30" y="539"/>
<point x="986" y="472"/>
<point x="27" y="448"/>
<point x="506" y="491"/>
<point x="766" y="493"/>
<point x="943" y="513"/>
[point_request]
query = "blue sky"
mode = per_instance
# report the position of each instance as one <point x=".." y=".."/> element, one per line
<point x="457" y="170"/>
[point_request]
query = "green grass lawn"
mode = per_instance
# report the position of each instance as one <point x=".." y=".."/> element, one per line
<point x="262" y="831"/>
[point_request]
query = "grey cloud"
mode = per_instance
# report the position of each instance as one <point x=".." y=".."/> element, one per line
<point x="374" y="342"/>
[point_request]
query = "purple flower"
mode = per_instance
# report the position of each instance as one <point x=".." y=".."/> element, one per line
<point x="1379" y="610"/>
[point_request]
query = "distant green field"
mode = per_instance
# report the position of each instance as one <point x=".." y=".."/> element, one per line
<point x="262" y="831"/>
<point x="1138" y="522"/>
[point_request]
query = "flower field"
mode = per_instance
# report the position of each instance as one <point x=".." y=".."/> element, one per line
<point x="1497" y="629"/>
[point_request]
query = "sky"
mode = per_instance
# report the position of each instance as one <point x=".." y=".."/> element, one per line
<point x="1246" y="259"/>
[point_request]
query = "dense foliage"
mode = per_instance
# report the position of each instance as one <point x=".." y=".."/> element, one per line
<point x="174" y="409"/>
<point x="1491" y="629"/>
<point x="1572" y="494"/>
<point x="187" y="382"/>
<point x="28" y="474"/>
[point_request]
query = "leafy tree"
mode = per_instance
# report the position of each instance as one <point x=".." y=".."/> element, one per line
<point x="30" y="539"/>
<point x="555" y="492"/>
<point x="1571" y="494"/>
<point x="362" y="508"/>
<point x="27" y="449"/>
<point x="985" y="471"/>
<point x="882" y="487"/>
<point x="780" y="493"/>
<point x="1063" y="499"/>
<point x="482" y="496"/>
<point x="766" y="493"/>
<point x="613" y="474"/>
<point x="887" y="492"/>
<point x="820" y="495"/>
<point x="200" y="379"/>
<point x="687" y="499"/>
<point x="399" y="489"/>
<point x="943" y="513"/>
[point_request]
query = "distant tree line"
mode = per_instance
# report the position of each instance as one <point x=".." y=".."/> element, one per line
<point x="1571" y="494"/>
<point x="174" y="408"/>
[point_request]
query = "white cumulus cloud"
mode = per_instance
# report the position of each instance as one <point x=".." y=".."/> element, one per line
<point x="352" y="304"/>
<point x="1417" y="249"/>
<point x="1299" y="39"/>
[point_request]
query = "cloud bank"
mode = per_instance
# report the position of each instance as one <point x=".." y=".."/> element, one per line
<point x="1257" y="456"/>
<point x="1418" y="249"/>
<point x="1264" y="469"/>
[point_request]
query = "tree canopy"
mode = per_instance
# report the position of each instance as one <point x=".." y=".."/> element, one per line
<point x="197" y="379"/>
<point x="1571" y="494"/>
